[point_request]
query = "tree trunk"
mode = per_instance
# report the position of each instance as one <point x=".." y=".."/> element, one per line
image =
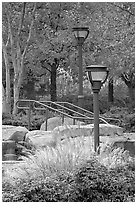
<point x="18" y="77"/>
<point x="110" y="91"/>
<point x="131" y="90"/>
<point x="16" y="97"/>
<point x="129" y="79"/>
<point x="4" y="104"/>
<point x="53" y="88"/>
<point x="18" y="52"/>
<point x="8" y="84"/>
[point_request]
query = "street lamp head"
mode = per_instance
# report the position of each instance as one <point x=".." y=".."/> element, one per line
<point x="81" y="32"/>
<point x="97" y="73"/>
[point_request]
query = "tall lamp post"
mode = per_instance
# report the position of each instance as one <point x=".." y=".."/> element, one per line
<point x="81" y="33"/>
<point x="97" y="75"/>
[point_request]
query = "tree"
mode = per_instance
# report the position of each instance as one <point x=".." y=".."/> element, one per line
<point x="126" y="48"/>
<point x="51" y="46"/>
<point x="110" y="91"/>
<point x="113" y="41"/>
<point x="4" y="103"/>
<point x="7" y="93"/>
<point x="52" y="41"/>
<point x="15" y="14"/>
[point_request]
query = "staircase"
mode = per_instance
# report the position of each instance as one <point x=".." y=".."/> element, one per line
<point x="63" y="109"/>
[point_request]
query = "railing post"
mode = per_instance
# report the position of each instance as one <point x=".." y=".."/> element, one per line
<point x="63" y="117"/>
<point x="29" y="115"/>
<point x="46" y="122"/>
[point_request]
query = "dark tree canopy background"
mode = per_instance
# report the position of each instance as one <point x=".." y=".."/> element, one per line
<point x="40" y="51"/>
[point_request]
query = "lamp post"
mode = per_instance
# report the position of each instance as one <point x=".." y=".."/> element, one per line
<point x="81" y="33"/>
<point x="97" y="75"/>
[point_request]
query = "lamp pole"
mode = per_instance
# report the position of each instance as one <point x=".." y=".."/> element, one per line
<point x="81" y="33"/>
<point x="96" y="88"/>
<point x="80" y="95"/>
<point x="97" y="75"/>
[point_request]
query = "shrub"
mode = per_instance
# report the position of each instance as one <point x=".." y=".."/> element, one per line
<point x="71" y="175"/>
<point x="22" y="120"/>
<point x="96" y="183"/>
<point x="50" y="189"/>
<point x="47" y="171"/>
<point x="92" y="182"/>
<point x="114" y="157"/>
<point x="67" y="155"/>
<point x="126" y="116"/>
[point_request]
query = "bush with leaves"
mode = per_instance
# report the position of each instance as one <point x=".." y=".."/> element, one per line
<point x="21" y="119"/>
<point x="125" y="115"/>
<point x="96" y="183"/>
<point x="72" y="174"/>
<point x="90" y="183"/>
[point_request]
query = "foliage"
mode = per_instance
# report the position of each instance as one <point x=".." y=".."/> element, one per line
<point x="88" y="181"/>
<point x="121" y="98"/>
<point x="114" y="157"/>
<point x="22" y="120"/>
<point x="15" y="43"/>
<point x="52" y="46"/>
<point x="67" y="155"/>
<point x="126" y="116"/>
<point x="96" y="183"/>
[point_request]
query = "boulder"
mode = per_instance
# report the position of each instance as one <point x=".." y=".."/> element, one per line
<point x="108" y="130"/>
<point x="57" y="121"/>
<point x="22" y="151"/>
<point x="72" y="131"/>
<point x="13" y="132"/>
<point x="41" y="139"/>
<point x="129" y="136"/>
<point x="87" y="130"/>
<point x="128" y="145"/>
<point x="18" y="136"/>
<point x="8" y="147"/>
<point x="118" y="142"/>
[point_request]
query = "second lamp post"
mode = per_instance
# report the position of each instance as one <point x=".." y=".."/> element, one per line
<point x="97" y="75"/>
<point x="81" y="33"/>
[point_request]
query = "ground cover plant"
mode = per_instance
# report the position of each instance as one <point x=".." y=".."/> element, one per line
<point x="125" y="115"/>
<point x="21" y="119"/>
<point x="72" y="172"/>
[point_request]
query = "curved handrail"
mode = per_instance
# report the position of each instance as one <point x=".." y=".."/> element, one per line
<point x="23" y="100"/>
<point x="103" y="119"/>
<point x="45" y="107"/>
<point x="86" y="111"/>
<point x="63" y="107"/>
<point x="33" y="104"/>
<point x="56" y="110"/>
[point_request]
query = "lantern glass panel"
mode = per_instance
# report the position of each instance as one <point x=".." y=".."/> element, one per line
<point x="80" y="34"/>
<point x="98" y="76"/>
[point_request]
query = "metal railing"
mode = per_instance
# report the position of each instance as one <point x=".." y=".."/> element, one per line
<point x="104" y="119"/>
<point x="57" y="107"/>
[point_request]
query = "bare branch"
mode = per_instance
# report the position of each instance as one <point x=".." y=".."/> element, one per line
<point x="128" y="11"/>
<point x="40" y="75"/>
<point x="45" y="66"/>
<point x="13" y="54"/>
<point x="10" y="31"/>
<point x="30" y="31"/>
<point x="22" y="18"/>
<point x="125" y="78"/>
<point x="8" y="40"/>
<point x="56" y="62"/>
